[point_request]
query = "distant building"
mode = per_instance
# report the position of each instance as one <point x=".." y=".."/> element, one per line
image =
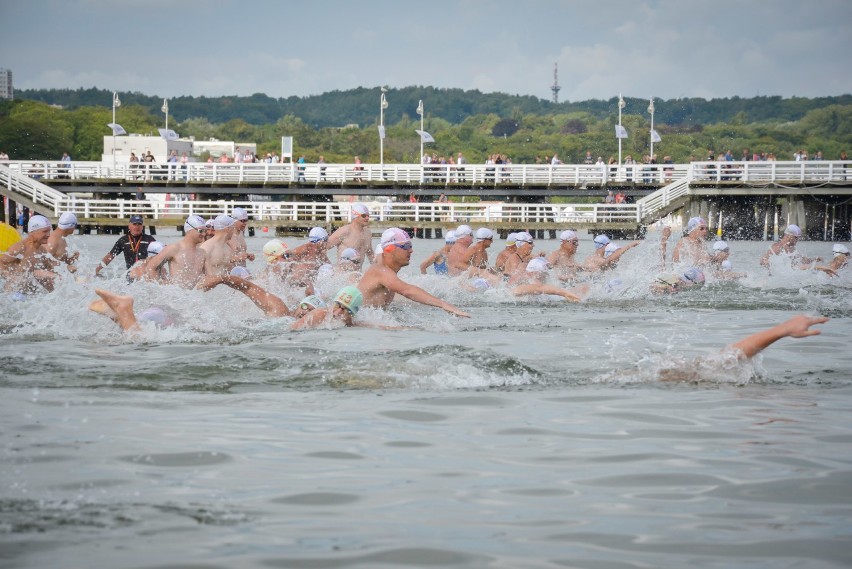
<point x="7" y="90"/>
<point x="140" y="145"/>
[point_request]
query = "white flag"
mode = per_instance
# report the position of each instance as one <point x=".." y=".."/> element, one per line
<point x="420" y="108"/>
<point x="425" y="136"/>
<point x="168" y="134"/>
<point x="620" y="131"/>
<point x="381" y="131"/>
<point x="117" y="129"/>
<point x="655" y="136"/>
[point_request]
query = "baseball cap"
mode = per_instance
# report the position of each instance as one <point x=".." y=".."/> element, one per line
<point x="693" y="223"/>
<point x="135" y="219"/>
<point x="223" y="222"/>
<point x="312" y="301"/>
<point x="154" y="248"/>
<point x="350" y="298"/>
<point x="241" y="272"/>
<point x="273" y="249"/>
<point x="567" y="235"/>
<point x="483" y="233"/>
<point x="839" y="249"/>
<point x="694" y="275"/>
<point x="523" y="237"/>
<point x="67" y="220"/>
<point x="193" y="222"/>
<point x="240" y="214"/>
<point x="360" y="209"/>
<point x="601" y="241"/>
<point x="610" y="249"/>
<point x="317" y="234"/>
<point x="394" y="236"/>
<point x="450" y="237"/>
<point x="538" y="265"/>
<point x="793" y="230"/>
<point x="349" y="254"/>
<point x="720" y="246"/>
<point x="37" y="222"/>
<point x="511" y="238"/>
<point x="463" y="231"/>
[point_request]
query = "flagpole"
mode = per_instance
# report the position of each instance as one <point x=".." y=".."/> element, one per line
<point x="621" y="105"/>
<point x="421" y="113"/>
<point x="383" y="104"/>
<point x="165" y="109"/>
<point x="115" y="103"/>
<point x="651" y="110"/>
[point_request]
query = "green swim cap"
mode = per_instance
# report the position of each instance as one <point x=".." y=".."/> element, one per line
<point x="350" y="298"/>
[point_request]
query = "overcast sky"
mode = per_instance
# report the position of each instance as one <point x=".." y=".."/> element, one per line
<point x="661" y="48"/>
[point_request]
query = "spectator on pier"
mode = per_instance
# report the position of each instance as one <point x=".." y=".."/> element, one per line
<point x="588" y="159"/>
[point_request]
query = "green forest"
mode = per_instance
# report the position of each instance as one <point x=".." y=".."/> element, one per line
<point x="339" y="125"/>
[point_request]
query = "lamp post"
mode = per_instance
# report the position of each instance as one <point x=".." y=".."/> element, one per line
<point x="115" y="104"/>
<point x="382" y="106"/>
<point x="621" y="105"/>
<point x="165" y="109"/>
<point x="651" y="110"/>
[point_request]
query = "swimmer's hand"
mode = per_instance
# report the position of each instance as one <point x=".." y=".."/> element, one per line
<point x="457" y="312"/>
<point x="827" y="270"/>
<point x="799" y="326"/>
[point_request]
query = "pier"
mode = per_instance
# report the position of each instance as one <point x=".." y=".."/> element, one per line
<point x="750" y="199"/>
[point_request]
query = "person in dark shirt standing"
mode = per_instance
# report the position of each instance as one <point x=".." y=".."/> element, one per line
<point x="134" y="245"/>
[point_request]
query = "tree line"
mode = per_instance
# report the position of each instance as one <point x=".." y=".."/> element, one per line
<point x="42" y="124"/>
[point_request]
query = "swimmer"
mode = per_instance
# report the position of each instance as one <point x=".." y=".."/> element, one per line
<point x="271" y="305"/>
<point x="438" y="259"/>
<point x="308" y="258"/>
<point x="307" y="304"/>
<point x="562" y="259"/>
<point x="599" y="260"/>
<point x="355" y="234"/>
<point x="21" y="264"/>
<point x="238" y="240"/>
<point x="517" y="262"/>
<point x="500" y="261"/>
<point x="184" y="259"/>
<point x="211" y="230"/>
<point x="348" y="265"/>
<point x="787" y="246"/>
<point x="477" y="254"/>
<point x="137" y="271"/>
<point x="839" y="261"/>
<point x="344" y="307"/>
<point x="458" y="258"/>
<point x="531" y="281"/>
<point x="57" y="246"/>
<point x="219" y="256"/>
<point x="120" y="309"/>
<point x="745" y="349"/>
<point x="691" y="249"/>
<point x="670" y="283"/>
<point x="380" y="284"/>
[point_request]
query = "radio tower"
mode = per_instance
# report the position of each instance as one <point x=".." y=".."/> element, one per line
<point x="555" y="87"/>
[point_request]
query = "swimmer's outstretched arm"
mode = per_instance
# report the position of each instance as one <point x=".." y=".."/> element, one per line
<point x="796" y="327"/>
<point x="536" y="288"/>
<point x="271" y="305"/>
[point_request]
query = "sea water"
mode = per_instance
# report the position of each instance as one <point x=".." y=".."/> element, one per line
<point x="534" y="434"/>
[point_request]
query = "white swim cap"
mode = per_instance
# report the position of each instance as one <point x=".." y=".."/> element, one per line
<point x="67" y="220"/>
<point x="793" y="230"/>
<point x="394" y="236"/>
<point x="349" y="254"/>
<point x="239" y="214"/>
<point x="154" y="248"/>
<point x="484" y="233"/>
<point x="523" y="237"/>
<point x="693" y="223"/>
<point x="194" y="222"/>
<point x="240" y="272"/>
<point x="223" y="222"/>
<point x="360" y="209"/>
<point x="37" y="222"/>
<point x="538" y="265"/>
<point x="839" y="249"/>
<point x="720" y="246"/>
<point x="601" y="241"/>
<point x="317" y="234"/>
<point x="463" y="231"/>
<point x="568" y="235"/>
<point x="610" y="249"/>
<point x="450" y="237"/>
